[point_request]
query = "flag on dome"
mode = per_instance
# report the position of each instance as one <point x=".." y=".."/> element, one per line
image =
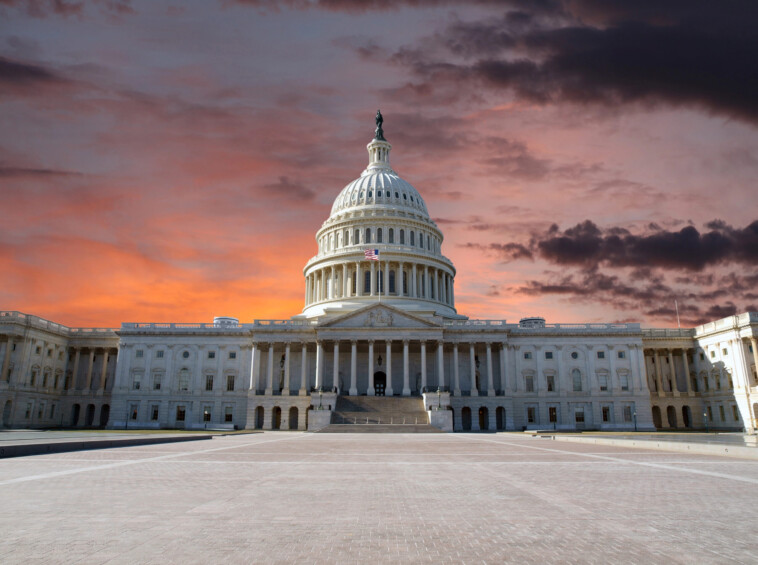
<point x="372" y="254"/>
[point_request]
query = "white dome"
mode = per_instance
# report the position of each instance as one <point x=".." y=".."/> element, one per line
<point x="376" y="188"/>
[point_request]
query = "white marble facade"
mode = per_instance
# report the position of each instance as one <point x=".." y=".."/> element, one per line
<point x="379" y="327"/>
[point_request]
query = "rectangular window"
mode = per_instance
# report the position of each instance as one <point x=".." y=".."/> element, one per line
<point x="49" y="352"/>
<point x="577" y="378"/>
<point x="140" y="353"/>
<point x="527" y="354"/>
<point x="206" y="413"/>
<point x="154" y="413"/>
<point x="548" y="354"/>
<point x="606" y="414"/>
<point x="550" y="383"/>
<point x="622" y="354"/>
<point x="603" y="380"/>
<point x="368" y="235"/>
<point x="694" y="384"/>
<point x="710" y="413"/>
<point x="159" y="354"/>
<point x="230" y="382"/>
<point x="529" y="383"/>
<point x="627" y="413"/>
<point x="40" y="409"/>
<point x="157" y="382"/>
<point x="180" y="413"/>
<point x="137" y="381"/>
<point x="413" y="238"/>
<point x="183" y="380"/>
<point x="579" y="416"/>
<point x="134" y="411"/>
<point x="624" y="382"/>
<point x="721" y="412"/>
<point x="713" y="354"/>
<point x="531" y="415"/>
<point x="37" y="350"/>
<point x="552" y="413"/>
<point x="601" y="354"/>
<point x="735" y="413"/>
<point x="28" y="413"/>
<point x="211" y="355"/>
<point x="724" y="351"/>
<point x="228" y="414"/>
<point x="232" y="355"/>
<point x="702" y="356"/>
<point x="208" y="382"/>
<point x="706" y="383"/>
<point x="52" y="411"/>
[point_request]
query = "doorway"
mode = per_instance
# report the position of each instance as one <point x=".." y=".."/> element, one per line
<point x="380" y="383"/>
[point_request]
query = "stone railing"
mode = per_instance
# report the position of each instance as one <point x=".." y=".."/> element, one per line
<point x="41" y="323"/>
<point x="668" y="332"/>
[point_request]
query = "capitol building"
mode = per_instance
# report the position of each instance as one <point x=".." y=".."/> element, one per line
<point x="379" y="342"/>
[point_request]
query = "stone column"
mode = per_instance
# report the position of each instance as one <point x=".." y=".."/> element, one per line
<point x="406" y="368"/>
<point x="441" y="363"/>
<point x="436" y="284"/>
<point x="353" y="368"/>
<point x="443" y="288"/>
<point x="687" y="378"/>
<point x="287" y="351"/>
<point x="7" y="359"/>
<point x="399" y="278"/>
<point x="388" y="390"/>
<point x="561" y="384"/>
<point x="319" y="364"/>
<point x="336" y="368"/>
<point x="303" y="369"/>
<point x="386" y="289"/>
<point x="307" y="290"/>
<point x="90" y="363"/>
<point x="358" y="279"/>
<point x="503" y="366"/>
<point x="270" y="370"/>
<point x="255" y="357"/>
<point x="472" y="370"/>
<point x="490" y="380"/>
<point x="456" y="371"/>
<point x="658" y="376"/>
<point x="591" y="378"/>
<point x="517" y="367"/>
<point x="423" y="364"/>
<point x="642" y="375"/>
<point x="427" y="285"/>
<point x="414" y="285"/>
<point x="104" y="369"/>
<point x="345" y="285"/>
<point x="754" y="344"/>
<point x="452" y="292"/>
<point x="612" y="361"/>
<point x="674" y="385"/>
<point x="373" y="278"/>
<point x="370" y="389"/>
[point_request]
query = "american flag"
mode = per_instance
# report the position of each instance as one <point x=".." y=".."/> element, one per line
<point x="372" y="254"/>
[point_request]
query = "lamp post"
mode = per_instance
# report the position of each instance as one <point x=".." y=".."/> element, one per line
<point x="320" y="406"/>
<point x="439" y="403"/>
<point x="705" y="419"/>
<point x="205" y="419"/>
<point x="635" y="420"/>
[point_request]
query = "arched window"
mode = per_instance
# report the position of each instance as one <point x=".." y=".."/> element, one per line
<point x="356" y="237"/>
<point x="367" y="282"/>
<point x="391" y="236"/>
<point x="421" y="240"/>
<point x="392" y="281"/>
<point x="368" y="236"/>
<point x="346" y="240"/>
<point x="402" y="237"/>
<point x="379" y="235"/>
<point x="428" y="243"/>
<point x="576" y="377"/>
<point x="413" y="238"/>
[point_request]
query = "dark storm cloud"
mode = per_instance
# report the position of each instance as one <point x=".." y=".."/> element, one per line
<point x="24" y="172"/>
<point x="15" y="73"/>
<point x="66" y="8"/>
<point x="284" y="187"/>
<point x="507" y="251"/>
<point x="591" y="52"/>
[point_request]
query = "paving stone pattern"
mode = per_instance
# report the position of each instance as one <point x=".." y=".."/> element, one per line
<point x="341" y="498"/>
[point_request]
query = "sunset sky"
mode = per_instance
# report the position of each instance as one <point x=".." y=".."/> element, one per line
<point x="587" y="161"/>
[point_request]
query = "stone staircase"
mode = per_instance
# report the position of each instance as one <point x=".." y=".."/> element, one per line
<point x="379" y="414"/>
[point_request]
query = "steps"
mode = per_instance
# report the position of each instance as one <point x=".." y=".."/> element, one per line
<point x="379" y="414"/>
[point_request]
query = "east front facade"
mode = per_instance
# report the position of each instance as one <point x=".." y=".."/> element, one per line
<point x="379" y="321"/>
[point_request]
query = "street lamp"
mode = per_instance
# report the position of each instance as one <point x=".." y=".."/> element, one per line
<point x="205" y="419"/>
<point x="635" y="420"/>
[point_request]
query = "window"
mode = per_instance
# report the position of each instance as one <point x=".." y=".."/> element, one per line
<point x="368" y="236"/>
<point x="391" y="236"/>
<point x="574" y="355"/>
<point x="52" y="411"/>
<point x="157" y="381"/>
<point x="405" y="283"/>
<point x="413" y="238"/>
<point x="724" y="351"/>
<point x="379" y="237"/>
<point x="622" y="354"/>
<point x="606" y="413"/>
<point x="229" y="382"/>
<point x="57" y="379"/>
<point x="38" y="350"/>
<point x="206" y="413"/>
<point x="228" y="414"/>
<point x="694" y="384"/>
<point x="184" y="379"/>
<point x="211" y="355"/>
<point x="133" y="411"/>
<point x="402" y="237"/>
<point x="531" y="414"/>
<point x="713" y="354"/>
<point x="706" y="383"/>
<point x="137" y="381"/>
<point x="180" y="413"/>
<point x="552" y="414"/>
<point x="232" y="355"/>
<point x="140" y="353"/>
<point x="529" y="381"/>
<point x="548" y="354"/>
<point x="721" y="412"/>
<point x="154" y="413"/>
<point x="627" y="413"/>
<point x="208" y="382"/>
<point x="576" y="377"/>
<point x="710" y="413"/>
<point x="392" y="281"/>
<point x="49" y="352"/>
<point x="550" y="383"/>
<point x="579" y="416"/>
<point x="367" y="282"/>
<point x="185" y="354"/>
<point x="527" y="354"/>
<point x="601" y="354"/>
<point x="356" y="237"/>
<point x="346" y="238"/>
<point x="421" y="240"/>
<point x="28" y="413"/>
<point x="159" y="354"/>
<point x="603" y="380"/>
<point x="624" y="382"/>
<point x="33" y="377"/>
<point x="735" y="413"/>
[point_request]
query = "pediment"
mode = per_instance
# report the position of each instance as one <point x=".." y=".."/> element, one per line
<point x="380" y="316"/>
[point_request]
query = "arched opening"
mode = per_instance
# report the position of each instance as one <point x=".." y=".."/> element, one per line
<point x="259" y="418"/>
<point x="7" y="413"/>
<point x="380" y="383"/>
<point x="466" y="419"/>
<point x="293" y="418"/>
<point x="500" y="418"/>
<point x="671" y="416"/>
<point x="105" y="413"/>
<point x="484" y="418"/>
<point x="657" y="417"/>
<point x="75" y="412"/>
<point x="686" y="416"/>
<point x="276" y="422"/>
<point x="90" y="416"/>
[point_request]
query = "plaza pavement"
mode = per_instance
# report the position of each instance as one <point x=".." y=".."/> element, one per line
<point x="287" y="497"/>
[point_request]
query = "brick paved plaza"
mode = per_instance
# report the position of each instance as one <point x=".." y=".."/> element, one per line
<point x="315" y="498"/>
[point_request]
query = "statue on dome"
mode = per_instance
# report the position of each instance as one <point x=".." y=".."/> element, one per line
<point x="379" y="134"/>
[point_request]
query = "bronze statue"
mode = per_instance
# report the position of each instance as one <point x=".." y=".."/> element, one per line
<point x="379" y="134"/>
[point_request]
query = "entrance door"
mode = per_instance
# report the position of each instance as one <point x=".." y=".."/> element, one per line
<point x="380" y="383"/>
